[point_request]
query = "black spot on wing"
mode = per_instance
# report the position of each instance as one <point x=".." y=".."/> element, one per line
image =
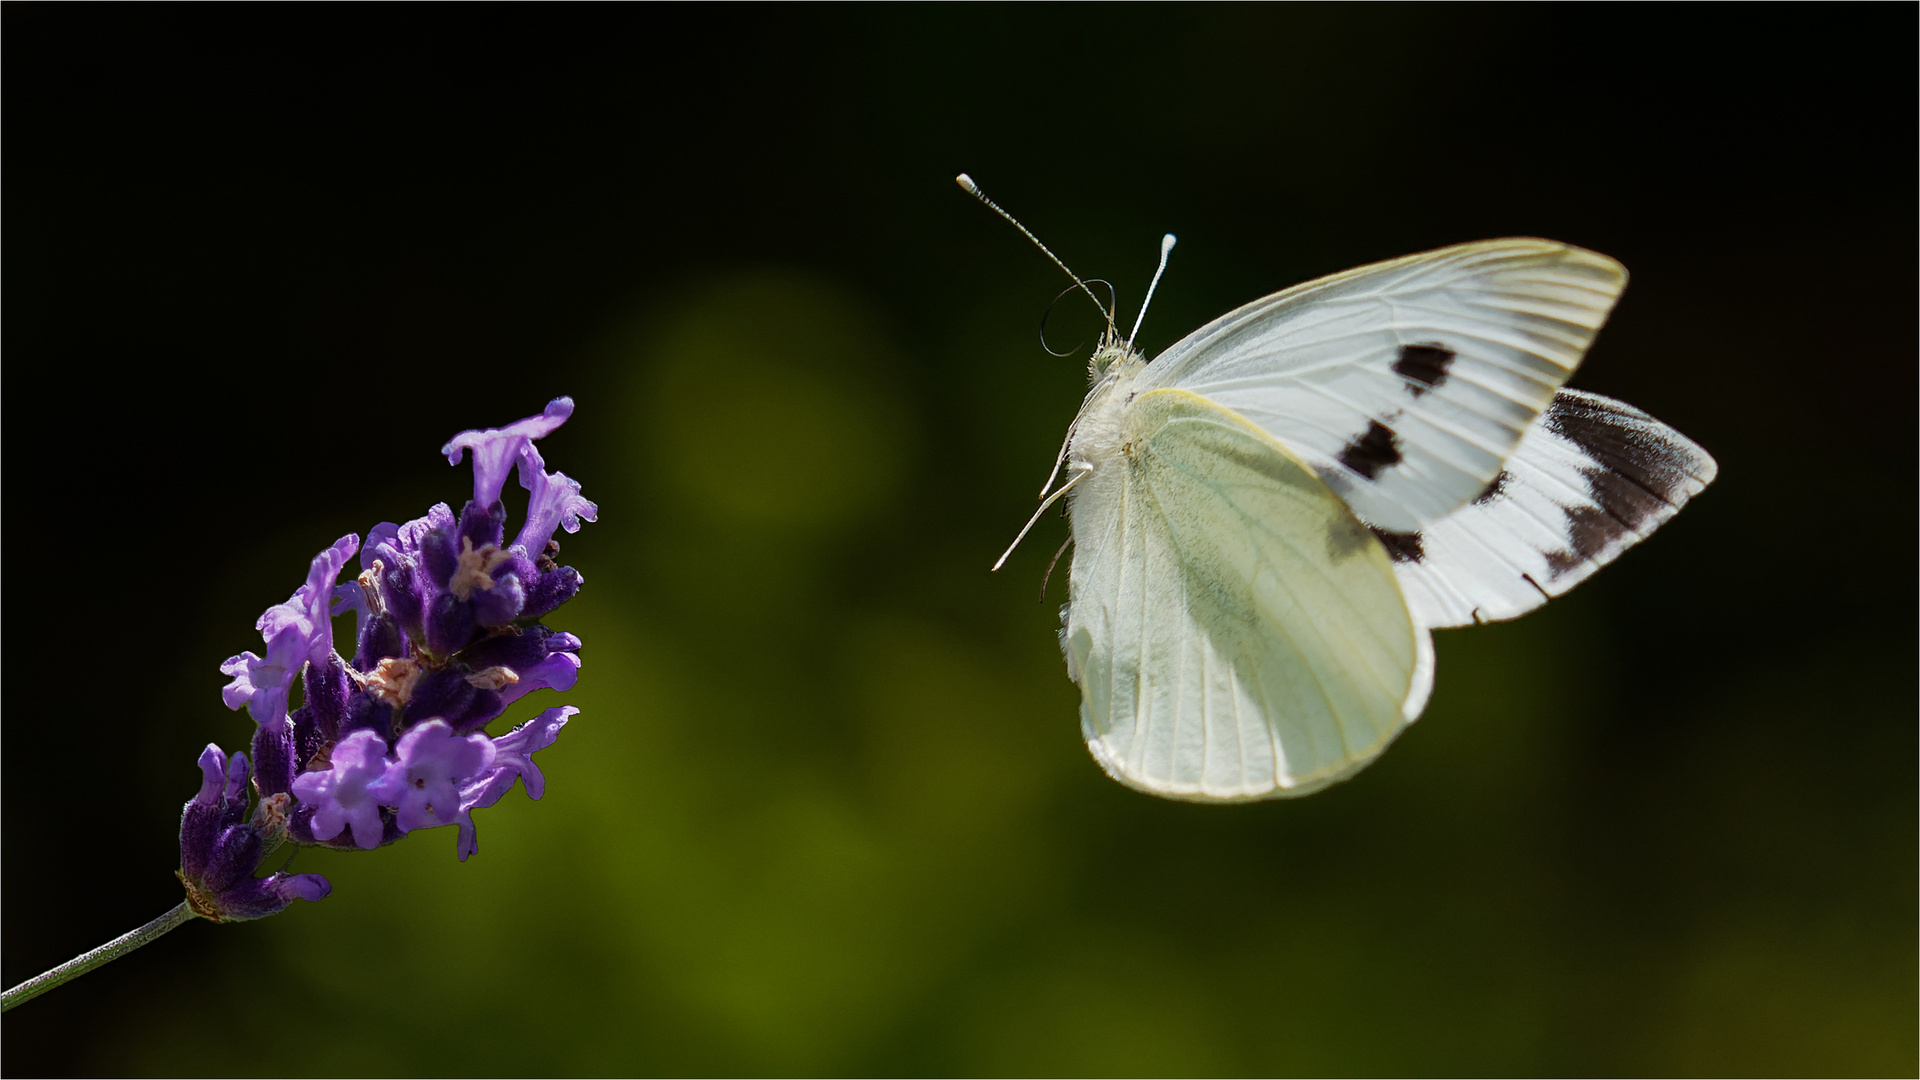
<point x="1403" y="547"/>
<point x="1590" y="533"/>
<point x="1371" y="452"/>
<point x="1493" y="489"/>
<point x="1639" y="473"/>
<point x="1423" y="366"/>
<point x="1623" y="440"/>
<point x="1621" y="508"/>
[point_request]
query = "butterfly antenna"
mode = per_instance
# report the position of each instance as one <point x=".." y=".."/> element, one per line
<point x="967" y="185"/>
<point x="1166" y="248"/>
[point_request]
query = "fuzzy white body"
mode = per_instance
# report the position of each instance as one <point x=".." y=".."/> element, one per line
<point x="1236" y="632"/>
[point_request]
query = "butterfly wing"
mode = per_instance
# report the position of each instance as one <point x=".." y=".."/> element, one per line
<point x="1591" y="478"/>
<point x="1405" y="384"/>
<point x="1235" y="631"/>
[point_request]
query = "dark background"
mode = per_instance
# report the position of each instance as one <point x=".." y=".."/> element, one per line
<point x="826" y="809"/>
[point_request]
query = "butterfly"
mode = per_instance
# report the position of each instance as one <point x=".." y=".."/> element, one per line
<point x="1270" y="516"/>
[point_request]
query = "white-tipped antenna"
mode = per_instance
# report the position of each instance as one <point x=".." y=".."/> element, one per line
<point x="967" y="185"/>
<point x="1166" y="247"/>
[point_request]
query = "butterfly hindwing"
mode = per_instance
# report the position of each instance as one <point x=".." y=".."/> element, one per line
<point x="1236" y="632"/>
<point x="1406" y="384"/>
<point x="1592" y="477"/>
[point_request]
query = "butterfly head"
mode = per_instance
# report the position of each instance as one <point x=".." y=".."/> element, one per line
<point x="1113" y="349"/>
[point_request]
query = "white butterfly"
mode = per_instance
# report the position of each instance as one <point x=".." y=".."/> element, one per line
<point x="1271" y="515"/>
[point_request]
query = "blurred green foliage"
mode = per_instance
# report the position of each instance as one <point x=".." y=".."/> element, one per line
<point x="797" y="833"/>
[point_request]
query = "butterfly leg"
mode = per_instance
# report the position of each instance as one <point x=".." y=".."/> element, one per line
<point x="1078" y="475"/>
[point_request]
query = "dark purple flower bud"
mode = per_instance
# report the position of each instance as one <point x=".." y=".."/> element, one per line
<point x="495" y="450"/>
<point x="382" y="639"/>
<point x="219" y="850"/>
<point x="440" y="554"/>
<point x="483" y="526"/>
<point x="202" y="818"/>
<point x="403" y="594"/>
<point x="327" y="687"/>
<point x="501" y="604"/>
<point x="449" y="624"/>
<point x="339" y="792"/>
<point x="307" y="739"/>
<point x="235" y="855"/>
<point x="465" y="700"/>
<point x="510" y="650"/>
<point x="256" y="898"/>
<point x="273" y="755"/>
<point x="550" y="590"/>
<point x="366" y="711"/>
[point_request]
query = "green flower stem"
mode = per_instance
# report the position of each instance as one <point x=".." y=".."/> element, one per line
<point x="87" y="961"/>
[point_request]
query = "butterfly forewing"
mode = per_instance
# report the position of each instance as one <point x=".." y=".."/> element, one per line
<point x="1236" y="632"/>
<point x="1406" y="384"/>
<point x="1592" y="477"/>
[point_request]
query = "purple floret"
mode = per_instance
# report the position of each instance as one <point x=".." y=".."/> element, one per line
<point x="497" y="450"/>
<point x="553" y="500"/>
<point x="341" y="793"/>
<point x="424" y="784"/>
<point x="513" y="760"/>
<point x="295" y="632"/>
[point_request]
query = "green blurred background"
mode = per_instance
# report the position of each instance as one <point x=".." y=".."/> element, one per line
<point x="825" y="809"/>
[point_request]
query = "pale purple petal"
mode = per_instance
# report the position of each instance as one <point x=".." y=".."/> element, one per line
<point x="295" y="632"/>
<point x="238" y="692"/>
<point x="424" y="785"/>
<point x="554" y="500"/>
<point x="468" y="840"/>
<point x="478" y="794"/>
<point x="262" y="686"/>
<point x="487" y="790"/>
<point x="384" y="533"/>
<point x="514" y="750"/>
<point x="349" y="596"/>
<point x="559" y="671"/>
<point x="317" y="595"/>
<point x="496" y="449"/>
<point x="341" y="795"/>
<point x="352" y="596"/>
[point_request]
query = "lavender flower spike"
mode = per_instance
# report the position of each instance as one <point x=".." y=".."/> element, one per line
<point x="495" y="450"/>
<point x="449" y="634"/>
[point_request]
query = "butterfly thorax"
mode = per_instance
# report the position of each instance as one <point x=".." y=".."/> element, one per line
<point x="1098" y="433"/>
